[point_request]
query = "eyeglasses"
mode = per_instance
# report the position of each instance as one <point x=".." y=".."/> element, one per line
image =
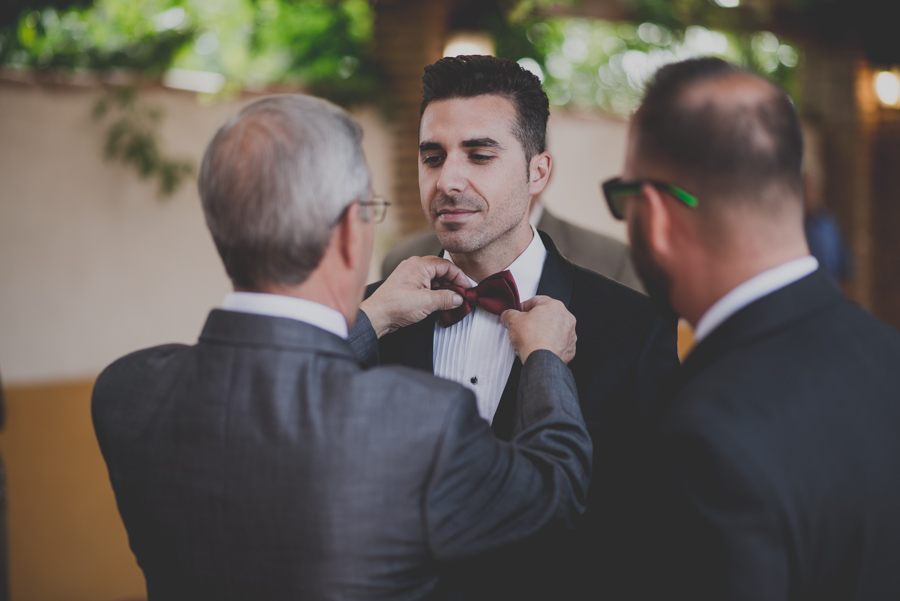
<point x="617" y="192"/>
<point x="373" y="210"/>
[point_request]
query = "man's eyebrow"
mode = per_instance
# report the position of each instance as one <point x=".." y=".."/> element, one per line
<point x="426" y="146"/>
<point x="481" y="143"/>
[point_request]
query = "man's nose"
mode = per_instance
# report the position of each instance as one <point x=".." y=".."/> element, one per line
<point x="452" y="179"/>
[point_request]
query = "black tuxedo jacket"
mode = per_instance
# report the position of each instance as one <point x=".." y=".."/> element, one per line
<point x="625" y="356"/>
<point x="779" y="457"/>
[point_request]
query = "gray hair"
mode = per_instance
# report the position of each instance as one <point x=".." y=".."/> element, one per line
<point x="274" y="181"/>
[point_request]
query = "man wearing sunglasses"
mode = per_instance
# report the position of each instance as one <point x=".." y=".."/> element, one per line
<point x="482" y="160"/>
<point x="776" y="464"/>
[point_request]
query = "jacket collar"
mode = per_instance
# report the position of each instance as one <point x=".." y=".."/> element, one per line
<point x="558" y="274"/>
<point x="248" y="329"/>
<point x="770" y="313"/>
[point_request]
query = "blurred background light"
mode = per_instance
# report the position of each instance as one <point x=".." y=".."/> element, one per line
<point x="169" y="19"/>
<point x="887" y="87"/>
<point x="195" y="81"/>
<point x="728" y="3"/>
<point x="529" y="64"/>
<point x="469" y="42"/>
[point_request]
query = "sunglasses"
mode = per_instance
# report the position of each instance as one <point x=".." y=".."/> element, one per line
<point x="617" y="193"/>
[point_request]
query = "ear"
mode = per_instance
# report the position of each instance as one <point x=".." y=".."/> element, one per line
<point x="660" y="224"/>
<point x="539" y="172"/>
<point x="349" y="238"/>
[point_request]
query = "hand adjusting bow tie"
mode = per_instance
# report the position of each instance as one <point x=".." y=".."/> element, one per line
<point x="495" y="294"/>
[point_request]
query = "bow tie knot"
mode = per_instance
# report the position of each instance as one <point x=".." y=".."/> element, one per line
<point x="472" y="297"/>
<point x="495" y="294"/>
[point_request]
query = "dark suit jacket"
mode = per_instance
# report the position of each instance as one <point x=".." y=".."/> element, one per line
<point x="779" y="457"/>
<point x="625" y="357"/>
<point x="603" y="254"/>
<point x="266" y="463"/>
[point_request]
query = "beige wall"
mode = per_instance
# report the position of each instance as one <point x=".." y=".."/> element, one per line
<point x="587" y="148"/>
<point x="92" y="264"/>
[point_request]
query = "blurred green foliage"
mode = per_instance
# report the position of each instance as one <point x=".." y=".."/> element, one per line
<point x="100" y="37"/>
<point x="131" y="139"/>
<point x="596" y="63"/>
<point x="323" y="45"/>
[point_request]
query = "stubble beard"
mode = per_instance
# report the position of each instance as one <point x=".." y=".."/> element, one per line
<point x="458" y="238"/>
<point x="656" y="281"/>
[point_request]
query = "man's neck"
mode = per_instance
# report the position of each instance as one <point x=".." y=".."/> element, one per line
<point x="495" y="257"/>
<point x="721" y="276"/>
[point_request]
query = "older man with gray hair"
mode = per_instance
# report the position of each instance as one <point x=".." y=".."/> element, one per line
<point x="266" y="461"/>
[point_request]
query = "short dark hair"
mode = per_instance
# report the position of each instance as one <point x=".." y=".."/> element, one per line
<point x="469" y="76"/>
<point x="740" y="151"/>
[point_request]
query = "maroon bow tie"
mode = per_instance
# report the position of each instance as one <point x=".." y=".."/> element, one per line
<point x="495" y="294"/>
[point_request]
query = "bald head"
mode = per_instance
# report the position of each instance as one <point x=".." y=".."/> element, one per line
<point x="729" y="137"/>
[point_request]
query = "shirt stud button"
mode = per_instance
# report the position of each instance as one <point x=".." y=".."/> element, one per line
<point x="474" y="379"/>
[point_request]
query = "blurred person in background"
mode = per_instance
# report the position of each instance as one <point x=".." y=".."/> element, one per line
<point x="775" y="467"/>
<point x="482" y="161"/>
<point x="266" y="462"/>
<point x="823" y="234"/>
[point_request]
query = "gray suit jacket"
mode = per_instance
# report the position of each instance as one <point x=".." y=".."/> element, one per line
<point x="607" y="256"/>
<point x="266" y="462"/>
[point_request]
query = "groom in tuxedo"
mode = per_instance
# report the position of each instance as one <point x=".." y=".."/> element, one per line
<point x="482" y="159"/>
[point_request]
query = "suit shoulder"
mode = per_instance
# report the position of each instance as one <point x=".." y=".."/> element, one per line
<point x="138" y="365"/>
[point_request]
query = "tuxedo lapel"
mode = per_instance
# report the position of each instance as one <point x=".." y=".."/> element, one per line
<point x="556" y="282"/>
<point x="502" y="424"/>
<point x="557" y="275"/>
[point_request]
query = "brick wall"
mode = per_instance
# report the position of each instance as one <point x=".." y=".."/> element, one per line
<point x="409" y="34"/>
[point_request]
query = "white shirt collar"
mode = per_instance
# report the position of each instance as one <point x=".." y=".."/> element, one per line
<point x="753" y="289"/>
<point x="526" y="269"/>
<point x="277" y="305"/>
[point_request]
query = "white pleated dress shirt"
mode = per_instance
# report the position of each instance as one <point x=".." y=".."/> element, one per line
<point x="476" y="351"/>
<point x="277" y="305"/>
<point x="753" y="289"/>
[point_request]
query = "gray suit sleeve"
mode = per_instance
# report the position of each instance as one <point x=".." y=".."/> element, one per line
<point x="484" y="493"/>
<point x="363" y="340"/>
